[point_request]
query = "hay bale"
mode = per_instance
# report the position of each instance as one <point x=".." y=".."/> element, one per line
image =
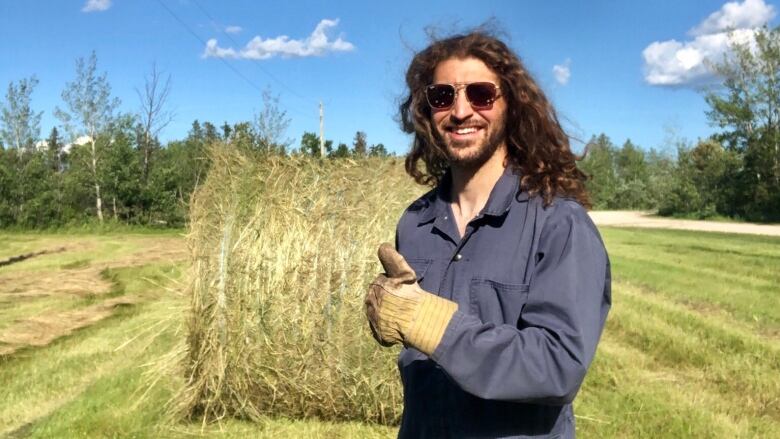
<point x="283" y="249"/>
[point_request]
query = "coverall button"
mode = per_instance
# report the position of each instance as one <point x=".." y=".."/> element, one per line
<point x="458" y="257"/>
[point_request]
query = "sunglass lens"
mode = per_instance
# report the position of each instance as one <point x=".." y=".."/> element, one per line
<point x="481" y="94"/>
<point x="440" y="95"/>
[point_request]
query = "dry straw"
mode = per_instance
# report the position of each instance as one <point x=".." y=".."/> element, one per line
<point x="283" y="249"/>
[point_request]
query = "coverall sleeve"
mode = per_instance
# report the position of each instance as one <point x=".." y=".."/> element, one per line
<point x="544" y="357"/>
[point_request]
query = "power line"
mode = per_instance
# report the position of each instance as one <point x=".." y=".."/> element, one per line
<point x="224" y="61"/>
<point x="263" y="69"/>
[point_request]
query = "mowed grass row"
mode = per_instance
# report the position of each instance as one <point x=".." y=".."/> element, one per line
<point x="692" y="345"/>
<point x="684" y="354"/>
<point x="80" y="275"/>
<point x="117" y="377"/>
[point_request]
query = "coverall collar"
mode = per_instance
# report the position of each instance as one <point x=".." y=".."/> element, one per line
<point x="506" y="188"/>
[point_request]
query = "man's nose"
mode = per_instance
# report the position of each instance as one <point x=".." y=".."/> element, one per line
<point x="461" y="108"/>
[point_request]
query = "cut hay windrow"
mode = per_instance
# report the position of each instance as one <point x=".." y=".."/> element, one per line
<point x="41" y="330"/>
<point x="23" y="257"/>
<point x="283" y="249"/>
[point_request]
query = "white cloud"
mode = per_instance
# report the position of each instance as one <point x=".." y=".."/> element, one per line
<point x="212" y="50"/>
<point x="733" y="15"/>
<point x="316" y="44"/>
<point x="562" y="72"/>
<point x="677" y="63"/>
<point x="96" y="5"/>
<point x="233" y="29"/>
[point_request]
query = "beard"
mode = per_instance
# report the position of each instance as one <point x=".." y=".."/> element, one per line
<point x="458" y="157"/>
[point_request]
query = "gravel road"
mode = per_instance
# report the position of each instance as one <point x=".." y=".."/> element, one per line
<point x="627" y="218"/>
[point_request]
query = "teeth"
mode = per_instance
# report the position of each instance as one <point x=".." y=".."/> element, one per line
<point x="466" y="130"/>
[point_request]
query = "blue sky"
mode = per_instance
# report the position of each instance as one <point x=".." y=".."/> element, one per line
<point x="628" y="69"/>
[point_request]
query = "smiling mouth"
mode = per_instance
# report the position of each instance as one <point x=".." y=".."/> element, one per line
<point x="463" y="131"/>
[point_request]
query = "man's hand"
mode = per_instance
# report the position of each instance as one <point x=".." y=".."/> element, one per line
<point x="399" y="311"/>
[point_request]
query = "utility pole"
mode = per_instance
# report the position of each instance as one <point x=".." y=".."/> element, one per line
<point x="322" y="132"/>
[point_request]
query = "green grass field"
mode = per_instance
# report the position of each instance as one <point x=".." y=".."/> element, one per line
<point x="691" y="347"/>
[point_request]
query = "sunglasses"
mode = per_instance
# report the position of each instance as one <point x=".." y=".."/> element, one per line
<point x="480" y="95"/>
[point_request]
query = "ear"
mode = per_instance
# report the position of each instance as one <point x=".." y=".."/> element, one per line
<point x="394" y="264"/>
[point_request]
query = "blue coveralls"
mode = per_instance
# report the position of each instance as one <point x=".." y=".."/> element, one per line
<point x="533" y="291"/>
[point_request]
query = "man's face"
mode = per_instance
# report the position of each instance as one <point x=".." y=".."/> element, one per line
<point x="470" y="136"/>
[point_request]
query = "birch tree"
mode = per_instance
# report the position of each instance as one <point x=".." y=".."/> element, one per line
<point x="89" y="112"/>
<point x="19" y="125"/>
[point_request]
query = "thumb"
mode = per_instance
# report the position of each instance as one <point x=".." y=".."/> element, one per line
<point x="394" y="264"/>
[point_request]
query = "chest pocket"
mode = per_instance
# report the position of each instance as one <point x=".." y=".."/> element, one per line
<point x="496" y="302"/>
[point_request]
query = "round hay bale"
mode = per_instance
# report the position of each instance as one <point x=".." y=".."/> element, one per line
<point x="283" y="249"/>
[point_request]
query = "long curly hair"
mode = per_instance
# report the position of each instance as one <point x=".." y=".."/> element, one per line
<point x="538" y="148"/>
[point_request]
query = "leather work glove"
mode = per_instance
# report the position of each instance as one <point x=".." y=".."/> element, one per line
<point x="399" y="311"/>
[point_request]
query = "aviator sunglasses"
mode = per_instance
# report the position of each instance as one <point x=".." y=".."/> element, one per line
<point x="480" y="95"/>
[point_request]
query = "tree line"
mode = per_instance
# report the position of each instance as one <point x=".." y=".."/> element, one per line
<point x="733" y="173"/>
<point x="100" y="164"/>
<point x="103" y="164"/>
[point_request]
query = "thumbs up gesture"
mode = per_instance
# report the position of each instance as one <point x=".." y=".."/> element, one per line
<point x="399" y="311"/>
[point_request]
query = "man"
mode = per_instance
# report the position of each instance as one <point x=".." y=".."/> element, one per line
<point x="503" y="288"/>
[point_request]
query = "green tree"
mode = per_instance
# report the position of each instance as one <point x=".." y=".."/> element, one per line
<point x="182" y="166"/>
<point x="90" y="111"/>
<point x="36" y="194"/>
<point x="712" y="170"/>
<point x="77" y="185"/>
<point x="121" y="173"/>
<point x="660" y="170"/>
<point x="631" y="172"/>
<point x="19" y="124"/>
<point x="174" y="178"/>
<point x="378" y="150"/>
<point x="8" y="183"/>
<point x="359" y="144"/>
<point x="599" y="165"/>
<point x="210" y="134"/>
<point x="56" y="162"/>
<point x="226" y="130"/>
<point x="54" y="151"/>
<point x="310" y="144"/>
<point x="683" y="198"/>
<point x="746" y="107"/>
<point x="243" y="136"/>
<point x="342" y="151"/>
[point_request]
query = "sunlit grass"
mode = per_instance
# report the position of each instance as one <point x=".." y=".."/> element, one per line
<point x="686" y="353"/>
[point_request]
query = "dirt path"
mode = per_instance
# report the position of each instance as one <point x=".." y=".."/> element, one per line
<point x="627" y="218"/>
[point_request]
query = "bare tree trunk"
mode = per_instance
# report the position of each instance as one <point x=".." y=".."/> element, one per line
<point x="98" y="202"/>
<point x="147" y="153"/>
<point x="98" y="199"/>
<point x="116" y="217"/>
